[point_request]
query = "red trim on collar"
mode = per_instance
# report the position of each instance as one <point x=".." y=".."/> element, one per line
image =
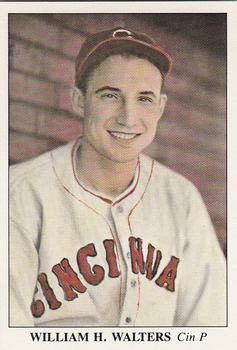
<point x="140" y="199"/>
<point x="132" y="190"/>
<point x="85" y="189"/>
<point x="94" y="194"/>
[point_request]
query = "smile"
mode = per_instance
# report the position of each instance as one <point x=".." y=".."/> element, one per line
<point x="122" y="135"/>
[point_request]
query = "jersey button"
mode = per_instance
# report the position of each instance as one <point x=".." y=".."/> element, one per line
<point x="133" y="283"/>
<point x="128" y="320"/>
<point x="120" y="209"/>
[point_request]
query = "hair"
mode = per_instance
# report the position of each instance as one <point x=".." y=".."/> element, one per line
<point x="82" y="82"/>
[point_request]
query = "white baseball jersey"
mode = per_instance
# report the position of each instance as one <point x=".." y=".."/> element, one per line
<point x="149" y="257"/>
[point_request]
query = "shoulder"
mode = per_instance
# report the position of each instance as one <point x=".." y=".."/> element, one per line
<point x="38" y="169"/>
<point x="28" y="168"/>
<point x="166" y="181"/>
<point x="163" y="174"/>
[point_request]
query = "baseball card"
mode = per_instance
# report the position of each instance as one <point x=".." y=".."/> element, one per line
<point x="117" y="230"/>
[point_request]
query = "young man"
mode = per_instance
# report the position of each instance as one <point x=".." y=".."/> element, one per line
<point x="102" y="235"/>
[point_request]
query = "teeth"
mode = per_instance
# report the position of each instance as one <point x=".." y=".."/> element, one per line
<point x="123" y="136"/>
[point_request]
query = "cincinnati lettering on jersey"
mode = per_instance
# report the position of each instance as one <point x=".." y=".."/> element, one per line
<point x="71" y="284"/>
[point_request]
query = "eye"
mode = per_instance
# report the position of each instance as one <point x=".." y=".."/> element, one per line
<point x="145" y="99"/>
<point x="109" y="96"/>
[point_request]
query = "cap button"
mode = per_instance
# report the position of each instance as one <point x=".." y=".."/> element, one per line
<point x="121" y="32"/>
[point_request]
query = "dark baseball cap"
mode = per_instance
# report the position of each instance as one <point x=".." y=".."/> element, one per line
<point x="119" y="40"/>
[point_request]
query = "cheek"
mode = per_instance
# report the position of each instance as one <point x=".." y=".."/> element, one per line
<point x="96" y="123"/>
<point x="150" y="122"/>
<point x="99" y="115"/>
<point x="92" y="117"/>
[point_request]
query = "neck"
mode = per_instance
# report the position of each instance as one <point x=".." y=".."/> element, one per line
<point x="102" y="174"/>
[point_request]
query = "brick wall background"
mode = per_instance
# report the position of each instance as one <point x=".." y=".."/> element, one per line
<point x="191" y="138"/>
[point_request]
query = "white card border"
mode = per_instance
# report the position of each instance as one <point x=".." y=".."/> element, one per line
<point x="218" y="337"/>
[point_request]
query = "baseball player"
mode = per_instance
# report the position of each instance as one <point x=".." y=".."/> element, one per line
<point x="102" y="235"/>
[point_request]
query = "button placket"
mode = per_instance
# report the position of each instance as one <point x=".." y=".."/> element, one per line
<point x="129" y="309"/>
<point x="133" y="283"/>
<point x="131" y="301"/>
<point x="121" y="225"/>
<point x="128" y="320"/>
<point x="119" y="209"/>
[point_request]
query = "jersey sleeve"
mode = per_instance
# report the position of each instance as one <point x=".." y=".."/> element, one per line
<point x="23" y="275"/>
<point x="24" y="228"/>
<point x="202" y="292"/>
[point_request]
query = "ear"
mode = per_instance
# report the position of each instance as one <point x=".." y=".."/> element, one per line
<point x="78" y="101"/>
<point x="163" y="101"/>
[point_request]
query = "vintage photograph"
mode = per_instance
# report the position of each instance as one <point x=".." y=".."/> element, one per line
<point x="117" y="177"/>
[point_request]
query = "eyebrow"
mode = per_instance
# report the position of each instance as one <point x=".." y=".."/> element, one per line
<point x="147" y="93"/>
<point x="107" y="88"/>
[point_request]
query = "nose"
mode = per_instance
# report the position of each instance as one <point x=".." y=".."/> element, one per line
<point x="127" y="114"/>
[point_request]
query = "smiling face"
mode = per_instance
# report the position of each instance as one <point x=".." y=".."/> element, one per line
<point x="121" y="107"/>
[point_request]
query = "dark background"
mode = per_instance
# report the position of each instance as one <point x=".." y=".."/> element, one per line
<point x="191" y="138"/>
